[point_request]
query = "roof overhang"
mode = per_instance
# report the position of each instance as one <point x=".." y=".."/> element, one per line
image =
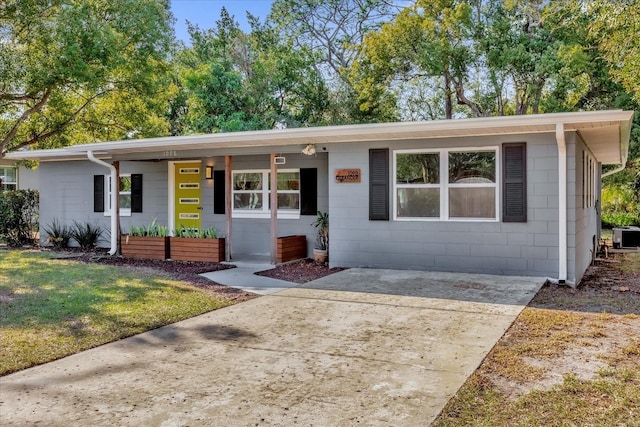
<point x="606" y="133"/>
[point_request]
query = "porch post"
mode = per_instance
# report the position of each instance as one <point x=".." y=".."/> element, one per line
<point x="116" y="209"/>
<point x="228" y="184"/>
<point x="274" y="209"/>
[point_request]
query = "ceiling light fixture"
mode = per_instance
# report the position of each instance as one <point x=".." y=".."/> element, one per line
<point x="309" y="150"/>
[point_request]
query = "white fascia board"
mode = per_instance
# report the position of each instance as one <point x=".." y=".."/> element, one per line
<point x="540" y="123"/>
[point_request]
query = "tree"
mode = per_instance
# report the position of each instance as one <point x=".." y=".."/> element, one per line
<point x="617" y="26"/>
<point x="81" y="70"/>
<point x="231" y="80"/>
<point x="429" y="40"/>
<point x="333" y="30"/>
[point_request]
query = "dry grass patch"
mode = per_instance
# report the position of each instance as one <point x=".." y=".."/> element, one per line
<point x="564" y="362"/>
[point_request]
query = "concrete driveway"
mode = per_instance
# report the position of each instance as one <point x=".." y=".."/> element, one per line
<point x="360" y="347"/>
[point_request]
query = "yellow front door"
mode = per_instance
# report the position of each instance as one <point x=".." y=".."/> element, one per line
<point x="188" y="200"/>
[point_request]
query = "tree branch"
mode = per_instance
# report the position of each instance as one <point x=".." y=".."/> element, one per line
<point x="25" y="115"/>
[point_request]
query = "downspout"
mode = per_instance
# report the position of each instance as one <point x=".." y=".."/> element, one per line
<point x="562" y="203"/>
<point x="616" y="170"/>
<point x="114" y="202"/>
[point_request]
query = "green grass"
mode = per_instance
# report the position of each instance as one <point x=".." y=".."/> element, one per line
<point x="53" y="308"/>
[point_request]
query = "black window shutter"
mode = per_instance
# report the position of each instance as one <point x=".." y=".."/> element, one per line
<point x="218" y="192"/>
<point x="514" y="182"/>
<point x="379" y="184"/>
<point x="308" y="191"/>
<point x="98" y="193"/>
<point x="136" y="192"/>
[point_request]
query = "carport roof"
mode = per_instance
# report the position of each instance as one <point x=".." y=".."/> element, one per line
<point x="605" y="132"/>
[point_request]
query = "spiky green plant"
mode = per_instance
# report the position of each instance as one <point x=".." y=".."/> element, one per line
<point x="57" y="234"/>
<point x="86" y="235"/>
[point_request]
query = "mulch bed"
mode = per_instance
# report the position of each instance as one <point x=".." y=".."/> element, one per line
<point x="605" y="287"/>
<point x="301" y="271"/>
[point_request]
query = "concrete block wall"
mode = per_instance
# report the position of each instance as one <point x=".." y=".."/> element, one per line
<point x="529" y="248"/>
<point x="67" y="195"/>
<point x="586" y="217"/>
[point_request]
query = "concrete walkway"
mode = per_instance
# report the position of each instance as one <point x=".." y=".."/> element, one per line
<point x="243" y="277"/>
<point x="360" y="347"/>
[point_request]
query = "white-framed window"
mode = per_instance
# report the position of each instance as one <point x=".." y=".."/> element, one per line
<point x="8" y="178"/>
<point x="251" y="193"/>
<point x="443" y="185"/>
<point x="589" y="170"/>
<point x="125" y="195"/>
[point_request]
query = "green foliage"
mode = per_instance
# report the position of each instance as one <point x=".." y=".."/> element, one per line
<point x="620" y="206"/>
<point x="203" y="233"/>
<point x="151" y="230"/>
<point x="230" y="81"/>
<point x="86" y="235"/>
<point x="322" y="230"/>
<point x="616" y="27"/>
<point x="19" y="216"/>
<point x="77" y="71"/>
<point x="57" y="234"/>
<point x="333" y="31"/>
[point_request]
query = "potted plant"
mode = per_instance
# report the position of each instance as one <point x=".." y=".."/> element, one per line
<point x="197" y="245"/>
<point x="321" y="248"/>
<point x="150" y="242"/>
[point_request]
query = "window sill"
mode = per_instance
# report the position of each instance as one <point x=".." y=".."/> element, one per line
<point x="264" y="215"/>
<point x="123" y="212"/>
<point x="447" y="220"/>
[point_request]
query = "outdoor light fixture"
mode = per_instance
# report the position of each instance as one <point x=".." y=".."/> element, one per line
<point x="309" y="150"/>
<point x="208" y="172"/>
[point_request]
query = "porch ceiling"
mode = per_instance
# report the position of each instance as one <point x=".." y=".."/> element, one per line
<point x="605" y="132"/>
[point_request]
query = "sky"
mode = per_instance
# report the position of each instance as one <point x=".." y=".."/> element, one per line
<point x="205" y="13"/>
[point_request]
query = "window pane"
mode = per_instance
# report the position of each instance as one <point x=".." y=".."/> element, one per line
<point x="247" y="201"/>
<point x="125" y="201"/>
<point x="420" y="168"/>
<point x="418" y="202"/>
<point x="472" y="202"/>
<point x="289" y="201"/>
<point x="125" y="183"/>
<point x="247" y="181"/>
<point x="472" y="167"/>
<point x="8" y="175"/>
<point x="288" y="181"/>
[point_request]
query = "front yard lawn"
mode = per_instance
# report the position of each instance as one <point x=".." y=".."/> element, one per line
<point x="51" y="308"/>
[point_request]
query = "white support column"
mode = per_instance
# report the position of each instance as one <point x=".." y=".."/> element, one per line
<point x="274" y="209"/>
<point x="228" y="204"/>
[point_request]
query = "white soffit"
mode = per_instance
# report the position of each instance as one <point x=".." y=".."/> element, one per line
<point x="604" y="143"/>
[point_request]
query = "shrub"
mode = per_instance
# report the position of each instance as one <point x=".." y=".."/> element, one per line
<point x="18" y="216"/>
<point x="620" y="206"/>
<point x="151" y="230"/>
<point x="86" y="235"/>
<point x="57" y="234"/>
<point x="203" y="233"/>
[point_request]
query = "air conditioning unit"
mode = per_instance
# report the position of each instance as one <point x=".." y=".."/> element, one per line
<point x="626" y="237"/>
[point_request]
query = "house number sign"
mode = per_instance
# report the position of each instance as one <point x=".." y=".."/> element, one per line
<point x="347" y="175"/>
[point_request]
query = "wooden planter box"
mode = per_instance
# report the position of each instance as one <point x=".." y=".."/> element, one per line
<point x="144" y="247"/>
<point x="291" y="247"/>
<point x="193" y="249"/>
